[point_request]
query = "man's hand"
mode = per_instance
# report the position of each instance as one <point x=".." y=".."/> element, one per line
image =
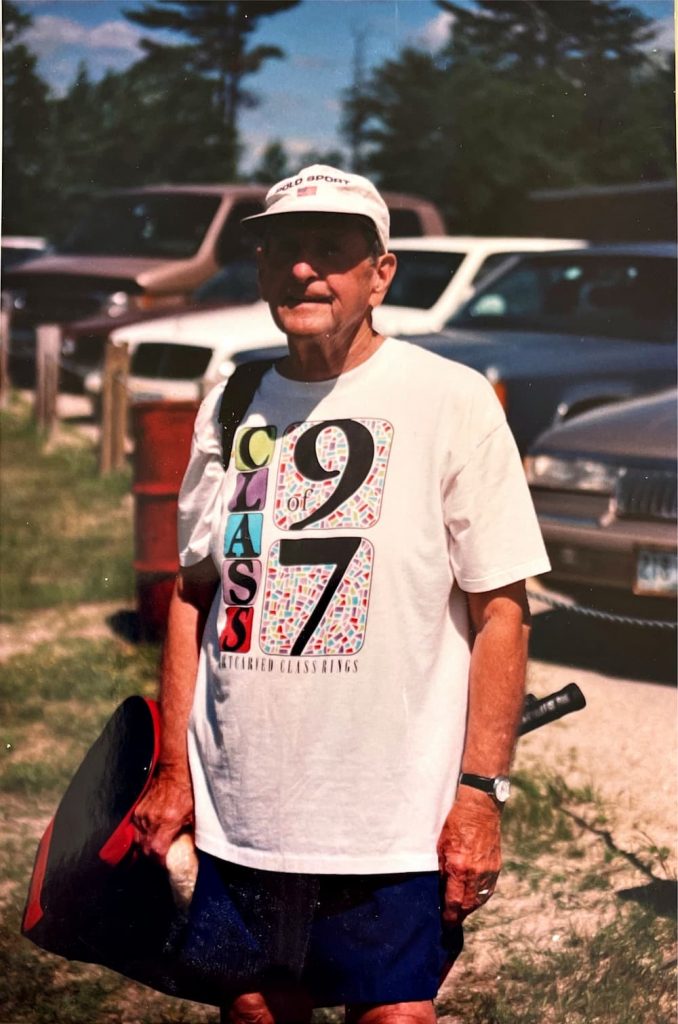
<point x="167" y="808"/>
<point x="469" y="854"/>
<point x="469" y="848"/>
<point x="165" y="811"/>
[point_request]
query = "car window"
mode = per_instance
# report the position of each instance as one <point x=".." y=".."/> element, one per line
<point x="607" y="296"/>
<point x="235" y="239"/>
<point x="489" y="264"/>
<point x="236" y="282"/>
<point x="170" y="362"/>
<point x="405" y="223"/>
<point x="170" y="226"/>
<point x="12" y="256"/>
<point x="422" y="277"/>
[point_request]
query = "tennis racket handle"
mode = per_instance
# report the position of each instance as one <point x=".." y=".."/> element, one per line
<point x="540" y="711"/>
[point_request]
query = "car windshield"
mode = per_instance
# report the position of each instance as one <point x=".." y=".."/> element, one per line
<point x="141" y="224"/>
<point x="12" y="256"/>
<point x="603" y="295"/>
<point x="422" y="277"/>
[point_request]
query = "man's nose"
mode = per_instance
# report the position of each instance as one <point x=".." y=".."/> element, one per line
<point x="303" y="267"/>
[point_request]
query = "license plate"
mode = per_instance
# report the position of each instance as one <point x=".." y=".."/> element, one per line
<point x="147" y="396"/>
<point x="656" y="572"/>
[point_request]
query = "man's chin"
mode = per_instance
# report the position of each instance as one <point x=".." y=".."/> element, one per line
<point x="303" y="319"/>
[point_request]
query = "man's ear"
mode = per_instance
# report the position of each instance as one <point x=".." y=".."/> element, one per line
<point x="384" y="269"/>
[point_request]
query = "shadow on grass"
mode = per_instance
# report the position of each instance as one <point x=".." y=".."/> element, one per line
<point x="126" y="624"/>
<point x="630" y="652"/>
<point x="660" y="896"/>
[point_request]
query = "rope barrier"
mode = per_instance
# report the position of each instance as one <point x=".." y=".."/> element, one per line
<point x="597" y="613"/>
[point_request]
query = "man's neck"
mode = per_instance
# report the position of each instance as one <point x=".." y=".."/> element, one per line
<point x="317" y="359"/>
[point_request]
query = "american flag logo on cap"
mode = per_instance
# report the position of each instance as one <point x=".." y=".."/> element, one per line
<point x="307" y="190"/>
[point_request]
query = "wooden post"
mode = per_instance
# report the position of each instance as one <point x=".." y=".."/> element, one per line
<point x="114" y="407"/>
<point x="5" y="328"/>
<point x="47" y="352"/>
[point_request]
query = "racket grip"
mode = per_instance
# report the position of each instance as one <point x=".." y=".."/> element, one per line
<point x="182" y="868"/>
<point x="538" y="712"/>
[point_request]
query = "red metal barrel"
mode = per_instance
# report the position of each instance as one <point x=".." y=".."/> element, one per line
<point x="162" y="443"/>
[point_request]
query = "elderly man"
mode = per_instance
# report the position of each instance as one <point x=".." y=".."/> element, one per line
<point x="344" y="667"/>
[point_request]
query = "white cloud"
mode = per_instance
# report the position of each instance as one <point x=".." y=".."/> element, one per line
<point x="50" y="32"/>
<point x="60" y="44"/>
<point x="116" y="35"/>
<point x="664" y="38"/>
<point x="435" y="33"/>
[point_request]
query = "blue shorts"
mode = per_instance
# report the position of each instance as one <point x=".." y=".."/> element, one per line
<point x="343" y="938"/>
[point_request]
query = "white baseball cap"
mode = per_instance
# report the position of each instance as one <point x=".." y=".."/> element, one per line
<point x="324" y="189"/>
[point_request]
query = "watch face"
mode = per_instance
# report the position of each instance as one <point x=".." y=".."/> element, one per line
<point x="502" y="789"/>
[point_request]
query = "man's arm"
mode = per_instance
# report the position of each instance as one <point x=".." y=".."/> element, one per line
<point x="469" y="849"/>
<point x="167" y="807"/>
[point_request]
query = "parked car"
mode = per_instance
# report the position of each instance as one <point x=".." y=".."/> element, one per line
<point x="560" y="333"/>
<point x="83" y="342"/>
<point x="135" y="248"/>
<point x="18" y="249"/>
<point x="428" y="269"/>
<point x="150" y="248"/>
<point x="436" y="276"/>
<point x="604" y="486"/>
<point x="184" y="356"/>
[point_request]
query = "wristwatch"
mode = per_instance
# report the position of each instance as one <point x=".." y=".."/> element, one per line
<point x="499" y="787"/>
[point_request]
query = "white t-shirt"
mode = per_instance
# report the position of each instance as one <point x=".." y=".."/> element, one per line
<point x="329" y="715"/>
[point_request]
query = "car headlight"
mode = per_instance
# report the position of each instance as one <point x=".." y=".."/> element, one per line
<point x="92" y="383"/>
<point x="118" y="304"/>
<point x="571" y="474"/>
<point x="225" y="369"/>
<point x="14" y="300"/>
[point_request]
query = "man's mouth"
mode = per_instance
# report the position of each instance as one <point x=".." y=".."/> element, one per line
<point x="303" y="300"/>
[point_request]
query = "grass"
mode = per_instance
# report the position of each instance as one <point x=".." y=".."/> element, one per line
<point x="66" y="532"/>
<point x="55" y="699"/>
<point x="620" y="975"/>
<point x="52" y="707"/>
<point x="610" y="956"/>
<point x="533" y="819"/>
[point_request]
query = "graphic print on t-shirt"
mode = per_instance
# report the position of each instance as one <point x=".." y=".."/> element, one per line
<point x="332" y="474"/>
<point x="316" y="586"/>
<point x="317" y="596"/>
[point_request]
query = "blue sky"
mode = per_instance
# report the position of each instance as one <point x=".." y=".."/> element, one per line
<point x="300" y="95"/>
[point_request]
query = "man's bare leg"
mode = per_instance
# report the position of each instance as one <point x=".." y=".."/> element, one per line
<point x="391" y="1013"/>
<point x="279" y="1007"/>
<point x="296" y="1008"/>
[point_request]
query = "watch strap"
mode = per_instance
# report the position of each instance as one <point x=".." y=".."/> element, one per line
<point x="498" y="788"/>
<point x="482" y="782"/>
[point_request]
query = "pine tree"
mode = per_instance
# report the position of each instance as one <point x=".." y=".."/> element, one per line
<point x="217" y="50"/>
<point x="526" y="94"/>
<point x="25" y="132"/>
